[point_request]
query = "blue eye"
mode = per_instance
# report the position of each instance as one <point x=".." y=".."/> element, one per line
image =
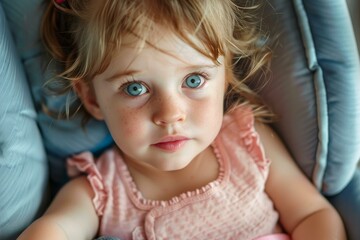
<point x="193" y="81"/>
<point x="135" y="89"/>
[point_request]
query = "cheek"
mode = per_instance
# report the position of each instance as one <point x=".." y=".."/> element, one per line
<point x="129" y="123"/>
<point x="210" y="113"/>
<point x="124" y="124"/>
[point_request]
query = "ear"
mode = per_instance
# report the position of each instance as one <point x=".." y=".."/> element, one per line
<point x="87" y="96"/>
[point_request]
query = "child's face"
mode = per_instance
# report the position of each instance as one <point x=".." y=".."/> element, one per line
<point x="163" y="107"/>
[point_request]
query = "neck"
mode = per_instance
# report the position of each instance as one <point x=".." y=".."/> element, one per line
<point x="163" y="185"/>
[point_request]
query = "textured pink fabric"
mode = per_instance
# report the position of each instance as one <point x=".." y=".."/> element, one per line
<point x="279" y="236"/>
<point x="234" y="206"/>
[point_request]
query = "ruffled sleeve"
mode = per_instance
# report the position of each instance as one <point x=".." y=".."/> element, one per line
<point x="84" y="163"/>
<point x="239" y="123"/>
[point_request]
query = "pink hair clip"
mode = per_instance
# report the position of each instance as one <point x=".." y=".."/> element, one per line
<point x="59" y="1"/>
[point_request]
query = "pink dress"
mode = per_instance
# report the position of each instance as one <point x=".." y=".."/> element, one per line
<point x="234" y="206"/>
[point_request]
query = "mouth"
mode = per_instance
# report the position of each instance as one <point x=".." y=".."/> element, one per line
<point x="171" y="143"/>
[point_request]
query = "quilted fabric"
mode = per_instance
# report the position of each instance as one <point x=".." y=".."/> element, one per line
<point x="23" y="165"/>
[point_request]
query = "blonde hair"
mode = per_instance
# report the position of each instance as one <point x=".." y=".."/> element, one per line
<point x="82" y="35"/>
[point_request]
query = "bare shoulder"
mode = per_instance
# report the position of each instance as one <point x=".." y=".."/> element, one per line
<point x="71" y="215"/>
<point x="73" y="209"/>
<point x="75" y="189"/>
<point x="274" y="147"/>
<point x="294" y="196"/>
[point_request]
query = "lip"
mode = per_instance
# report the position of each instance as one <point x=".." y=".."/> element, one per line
<point x="171" y="143"/>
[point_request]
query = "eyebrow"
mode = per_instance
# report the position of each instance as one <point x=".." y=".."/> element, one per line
<point x="199" y="66"/>
<point x="121" y="74"/>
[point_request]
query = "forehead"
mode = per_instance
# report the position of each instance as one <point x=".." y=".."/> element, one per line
<point x="161" y="45"/>
<point x="109" y="21"/>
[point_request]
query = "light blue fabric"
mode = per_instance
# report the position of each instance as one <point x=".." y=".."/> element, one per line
<point x="23" y="165"/>
<point x="61" y="137"/>
<point x="336" y="55"/>
<point x="314" y="88"/>
<point x="318" y="83"/>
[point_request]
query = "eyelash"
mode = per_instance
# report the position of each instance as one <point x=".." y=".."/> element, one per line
<point x="127" y="82"/>
<point x="205" y="75"/>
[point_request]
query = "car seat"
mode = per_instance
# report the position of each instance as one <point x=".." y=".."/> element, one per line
<point x="313" y="89"/>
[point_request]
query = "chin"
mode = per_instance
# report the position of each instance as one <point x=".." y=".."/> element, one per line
<point x="172" y="167"/>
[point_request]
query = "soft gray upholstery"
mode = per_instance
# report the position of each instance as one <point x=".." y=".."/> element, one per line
<point x="354" y="8"/>
<point x="314" y="90"/>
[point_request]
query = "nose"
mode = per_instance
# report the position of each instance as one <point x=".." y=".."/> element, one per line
<point x="168" y="110"/>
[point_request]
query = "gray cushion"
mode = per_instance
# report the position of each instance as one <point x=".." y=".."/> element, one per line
<point x="23" y="165"/>
<point x="348" y="204"/>
<point x="314" y="88"/>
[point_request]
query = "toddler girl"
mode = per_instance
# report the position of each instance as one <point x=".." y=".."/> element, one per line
<point x="190" y="160"/>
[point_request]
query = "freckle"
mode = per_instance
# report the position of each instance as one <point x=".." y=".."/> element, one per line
<point x="125" y="121"/>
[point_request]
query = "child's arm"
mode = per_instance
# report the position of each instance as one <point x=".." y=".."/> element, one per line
<point x="70" y="216"/>
<point x="304" y="212"/>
